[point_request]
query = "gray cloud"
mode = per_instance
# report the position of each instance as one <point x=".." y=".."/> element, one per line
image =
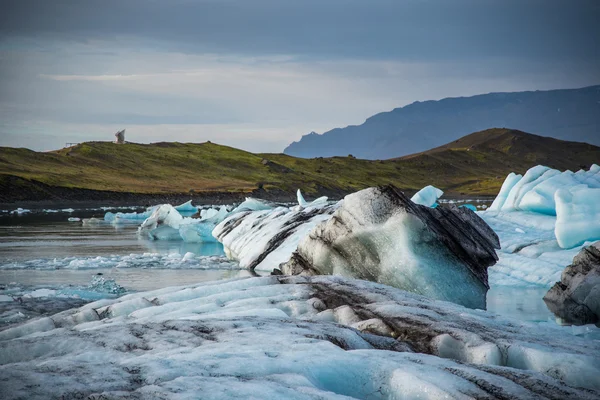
<point x="411" y="29"/>
<point x="259" y="74"/>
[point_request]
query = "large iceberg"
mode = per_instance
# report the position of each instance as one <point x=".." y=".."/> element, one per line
<point x="291" y="337"/>
<point x="380" y="235"/>
<point x="376" y="234"/>
<point x="572" y="199"/>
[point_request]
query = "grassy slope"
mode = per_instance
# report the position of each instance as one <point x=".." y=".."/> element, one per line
<point x="474" y="164"/>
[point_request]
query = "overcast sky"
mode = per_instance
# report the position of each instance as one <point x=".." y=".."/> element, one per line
<point x="260" y="74"/>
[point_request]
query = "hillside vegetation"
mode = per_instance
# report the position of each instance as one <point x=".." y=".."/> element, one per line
<point x="475" y="164"/>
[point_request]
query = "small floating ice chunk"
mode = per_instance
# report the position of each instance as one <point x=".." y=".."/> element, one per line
<point x="303" y="203"/>
<point x="67" y="210"/>
<point x="186" y="207"/>
<point x="74" y="219"/>
<point x="20" y="211"/>
<point x="427" y="196"/>
<point x="188" y="256"/>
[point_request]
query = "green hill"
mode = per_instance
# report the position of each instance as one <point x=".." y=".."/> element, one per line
<point x="474" y="164"/>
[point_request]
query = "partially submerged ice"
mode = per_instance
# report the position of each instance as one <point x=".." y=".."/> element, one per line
<point x="291" y="337"/>
<point x="576" y="298"/>
<point x="378" y="234"/>
<point x="573" y="197"/>
<point x="166" y="222"/>
<point x="316" y="202"/>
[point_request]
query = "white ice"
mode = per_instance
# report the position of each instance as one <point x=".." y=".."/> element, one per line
<point x="570" y="200"/>
<point x="255" y="232"/>
<point x="317" y="202"/>
<point x="428" y="196"/>
<point x="577" y="216"/>
<point x="258" y="338"/>
<point x="20" y="211"/>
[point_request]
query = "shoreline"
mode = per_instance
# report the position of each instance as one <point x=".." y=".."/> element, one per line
<point x="37" y="195"/>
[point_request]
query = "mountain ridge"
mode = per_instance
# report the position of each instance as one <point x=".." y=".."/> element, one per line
<point x="567" y="114"/>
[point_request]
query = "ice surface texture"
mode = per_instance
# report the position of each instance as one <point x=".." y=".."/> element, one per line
<point x="380" y="235"/>
<point x="576" y="298"/>
<point x="291" y="337"/>
<point x="264" y="239"/>
<point x="573" y="197"/>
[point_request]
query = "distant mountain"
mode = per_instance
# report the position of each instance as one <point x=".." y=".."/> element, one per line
<point x="475" y="165"/>
<point x="572" y="114"/>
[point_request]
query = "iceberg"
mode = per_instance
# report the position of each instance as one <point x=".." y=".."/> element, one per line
<point x="252" y="204"/>
<point x="134" y="217"/>
<point x="428" y="196"/>
<point x="535" y="191"/>
<point x="186" y="207"/>
<point x="571" y="200"/>
<point x="291" y="337"/>
<point x="510" y="182"/>
<point x="162" y="224"/>
<point x="316" y="202"/>
<point x="378" y="234"/>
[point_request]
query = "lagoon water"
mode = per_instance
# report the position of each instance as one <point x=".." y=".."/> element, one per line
<point x="43" y="256"/>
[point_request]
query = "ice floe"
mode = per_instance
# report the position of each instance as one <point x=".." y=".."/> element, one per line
<point x="291" y="337"/>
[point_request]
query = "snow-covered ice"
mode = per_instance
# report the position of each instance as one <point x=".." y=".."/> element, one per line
<point x="300" y="338"/>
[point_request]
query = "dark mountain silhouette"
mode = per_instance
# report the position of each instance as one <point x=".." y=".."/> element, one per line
<point x="570" y="114"/>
